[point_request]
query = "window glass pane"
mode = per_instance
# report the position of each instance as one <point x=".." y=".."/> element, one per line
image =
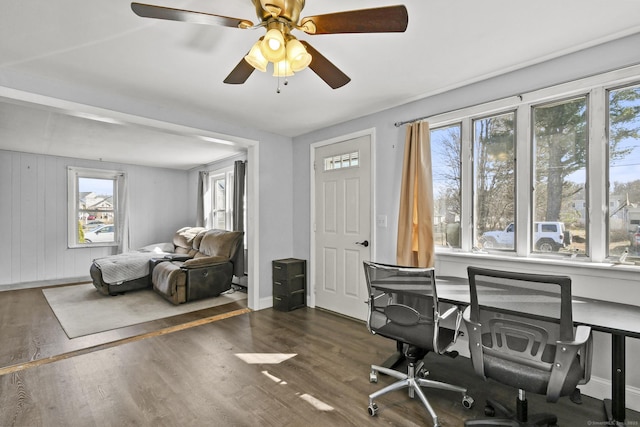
<point x="445" y="160"/>
<point x="219" y="208"/>
<point x="560" y="167"/>
<point x="346" y="161"/>
<point x="624" y="179"/>
<point x="494" y="181"/>
<point x="341" y="161"/>
<point x="337" y="163"/>
<point x="95" y="210"/>
<point x="355" y="158"/>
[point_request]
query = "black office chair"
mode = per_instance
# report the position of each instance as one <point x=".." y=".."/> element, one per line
<point x="403" y="306"/>
<point x="521" y="334"/>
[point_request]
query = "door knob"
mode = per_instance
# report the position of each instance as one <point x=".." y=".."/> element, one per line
<point x="364" y="243"/>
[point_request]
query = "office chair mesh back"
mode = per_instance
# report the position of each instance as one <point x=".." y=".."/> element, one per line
<point x="410" y="317"/>
<point x="516" y="324"/>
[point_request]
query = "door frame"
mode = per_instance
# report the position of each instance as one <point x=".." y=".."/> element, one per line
<point x="371" y="132"/>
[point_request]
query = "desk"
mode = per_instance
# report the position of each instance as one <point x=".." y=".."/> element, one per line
<point x="619" y="320"/>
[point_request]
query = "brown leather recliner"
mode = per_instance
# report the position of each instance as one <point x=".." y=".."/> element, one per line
<point x="203" y="274"/>
<point x="116" y="274"/>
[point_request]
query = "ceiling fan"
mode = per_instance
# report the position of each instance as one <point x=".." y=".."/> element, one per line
<point x="279" y="18"/>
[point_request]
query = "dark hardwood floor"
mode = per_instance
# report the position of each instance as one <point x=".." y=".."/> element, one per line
<point x="193" y="377"/>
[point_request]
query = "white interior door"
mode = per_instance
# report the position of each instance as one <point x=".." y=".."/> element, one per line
<point x="342" y="225"/>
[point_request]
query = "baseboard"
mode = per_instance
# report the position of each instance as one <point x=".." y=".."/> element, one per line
<point x="598" y="388"/>
<point x="44" y="283"/>
<point x="265" y="303"/>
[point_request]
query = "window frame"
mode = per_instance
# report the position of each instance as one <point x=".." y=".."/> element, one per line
<point x="607" y="92"/>
<point x="228" y="175"/>
<point x="456" y="244"/>
<point x="474" y="238"/>
<point x="73" y="200"/>
<point x="532" y="145"/>
<point x="595" y="88"/>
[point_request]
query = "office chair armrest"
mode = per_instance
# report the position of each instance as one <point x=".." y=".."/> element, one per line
<point x="583" y="339"/>
<point x="447" y="314"/>
<point x="474" y="335"/>
<point x="582" y="335"/>
<point x="566" y="352"/>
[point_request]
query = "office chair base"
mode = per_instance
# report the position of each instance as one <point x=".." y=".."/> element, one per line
<point x="508" y="418"/>
<point x="414" y="385"/>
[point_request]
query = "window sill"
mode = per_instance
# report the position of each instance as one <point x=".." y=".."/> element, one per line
<point x="93" y="245"/>
<point x="605" y="280"/>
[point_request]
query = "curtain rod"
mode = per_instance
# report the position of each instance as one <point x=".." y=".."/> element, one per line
<point x="398" y="124"/>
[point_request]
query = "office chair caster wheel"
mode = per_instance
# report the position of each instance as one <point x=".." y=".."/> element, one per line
<point x="373" y="377"/>
<point x="467" y="401"/>
<point x="423" y="373"/>
<point x="373" y="409"/>
<point x="489" y="411"/>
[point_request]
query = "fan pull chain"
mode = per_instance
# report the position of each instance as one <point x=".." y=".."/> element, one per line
<point x="285" y="83"/>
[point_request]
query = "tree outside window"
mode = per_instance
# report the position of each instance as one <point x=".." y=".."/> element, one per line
<point x="494" y="181"/>
<point x="560" y="168"/>
<point x="624" y="179"/>
<point x="445" y="159"/>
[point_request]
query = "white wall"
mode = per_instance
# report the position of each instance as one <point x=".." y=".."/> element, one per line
<point x="33" y="214"/>
<point x="617" y="285"/>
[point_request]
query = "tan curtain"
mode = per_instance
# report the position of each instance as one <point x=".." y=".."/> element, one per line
<point x="415" y="221"/>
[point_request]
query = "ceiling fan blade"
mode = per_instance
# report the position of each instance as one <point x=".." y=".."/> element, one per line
<point x="161" y="12"/>
<point x="240" y="74"/>
<point x="325" y="68"/>
<point x="390" y="19"/>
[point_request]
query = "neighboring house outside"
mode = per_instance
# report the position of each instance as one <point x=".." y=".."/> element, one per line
<point x="96" y="206"/>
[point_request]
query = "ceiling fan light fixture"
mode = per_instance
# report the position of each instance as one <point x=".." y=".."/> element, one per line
<point x="282" y="69"/>
<point x="297" y="55"/>
<point x="272" y="46"/>
<point x="255" y="57"/>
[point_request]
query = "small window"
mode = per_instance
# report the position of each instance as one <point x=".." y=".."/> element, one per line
<point x="221" y="184"/>
<point x="93" y="207"/>
<point x="341" y="161"/>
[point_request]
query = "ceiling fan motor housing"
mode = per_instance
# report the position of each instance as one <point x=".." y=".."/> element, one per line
<point x="286" y="9"/>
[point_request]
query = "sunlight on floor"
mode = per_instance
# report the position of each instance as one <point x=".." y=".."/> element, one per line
<point x="264" y="358"/>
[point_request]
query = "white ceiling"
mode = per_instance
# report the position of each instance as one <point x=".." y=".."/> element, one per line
<point x="102" y="50"/>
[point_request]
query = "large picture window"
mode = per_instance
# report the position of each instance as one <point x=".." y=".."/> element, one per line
<point x="94" y="207"/>
<point x="551" y="173"/>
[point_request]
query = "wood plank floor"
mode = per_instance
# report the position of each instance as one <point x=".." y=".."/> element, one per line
<point x="194" y="377"/>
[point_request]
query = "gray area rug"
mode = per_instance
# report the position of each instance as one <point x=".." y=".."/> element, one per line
<point x="81" y="310"/>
